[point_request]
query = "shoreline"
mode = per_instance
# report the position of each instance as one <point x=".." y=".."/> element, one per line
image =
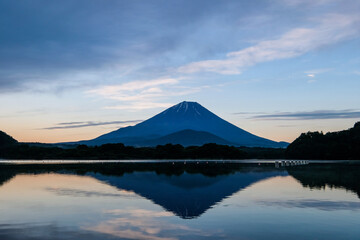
<point x="245" y="161"/>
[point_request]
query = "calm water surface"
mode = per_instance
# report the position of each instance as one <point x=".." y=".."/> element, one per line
<point x="166" y="201"/>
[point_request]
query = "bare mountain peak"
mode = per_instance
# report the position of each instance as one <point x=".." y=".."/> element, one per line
<point x="185" y="107"/>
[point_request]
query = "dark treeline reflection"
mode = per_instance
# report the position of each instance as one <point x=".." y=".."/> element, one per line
<point x="188" y="190"/>
<point x="317" y="176"/>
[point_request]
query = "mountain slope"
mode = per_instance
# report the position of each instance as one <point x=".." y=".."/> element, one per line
<point x="5" y="139"/>
<point x="187" y="138"/>
<point x="185" y="115"/>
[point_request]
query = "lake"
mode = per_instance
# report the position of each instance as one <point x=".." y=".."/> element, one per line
<point x="180" y="200"/>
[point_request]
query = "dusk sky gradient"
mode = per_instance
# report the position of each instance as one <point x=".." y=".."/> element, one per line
<point x="73" y="70"/>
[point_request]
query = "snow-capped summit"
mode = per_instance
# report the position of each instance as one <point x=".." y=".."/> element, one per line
<point x="184" y="107"/>
<point x="182" y="116"/>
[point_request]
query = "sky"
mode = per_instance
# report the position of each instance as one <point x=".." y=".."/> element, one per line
<point x="74" y="70"/>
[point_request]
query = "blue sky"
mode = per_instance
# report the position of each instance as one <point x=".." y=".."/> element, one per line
<point x="72" y="70"/>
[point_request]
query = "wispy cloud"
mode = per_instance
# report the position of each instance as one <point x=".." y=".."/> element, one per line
<point x="313" y="73"/>
<point x="248" y="113"/>
<point x="137" y="224"/>
<point x="138" y="95"/>
<point x="331" y="29"/>
<point x="311" y="81"/>
<point x="311" y="115"/>
<point x="318" y="71"/>
<point x="83" y="193"/>
<point x="146" y="224"/>
<point x="324" y="205"/>
<point x="296" y="3"/>
<point x="118" y="91"/>
<point x="311" y="78"/>
<point x="140" y="106"/>
<point x="139" y="213"/>
<point x="67" y="125"/>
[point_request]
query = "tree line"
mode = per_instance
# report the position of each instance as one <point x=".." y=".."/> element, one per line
<point x="341" y="145"/>
<point x="120" y="151"/>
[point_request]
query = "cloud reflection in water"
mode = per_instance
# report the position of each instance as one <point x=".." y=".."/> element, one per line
<point x="144" y="224"/>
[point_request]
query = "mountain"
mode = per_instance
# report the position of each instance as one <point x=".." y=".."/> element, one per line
<point x="6" y="139"/>
<point x="183" y="116"/>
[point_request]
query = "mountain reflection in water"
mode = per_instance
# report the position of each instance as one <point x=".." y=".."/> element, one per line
<point x="187" y="191"/>
<point x="183" y="191"/>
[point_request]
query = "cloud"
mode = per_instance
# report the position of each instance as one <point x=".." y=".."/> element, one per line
<point x="311" y="76"/>
<point x="311" y="115"/>
<point x="123" y="91"/>
<point x="146" y="224"/>
<point x="70" y="125"/>
<point x="318" y="71"/>
<point x="140" y="213"/>
<point x="139" y="95"/>
<point x="137" y="224"/>
<point x="82" y="193"/>
<point x="331" y="29"/>
<point x="311" y="81"/>
<point x="297" y="3"/>
<point x="312" y="73"/>
<point x="248" y="113"/>
<point x="324" y="205"/>
<point x="37" y="48"/>
<point x="140" y="106"/>
<point x="45" y="231"/>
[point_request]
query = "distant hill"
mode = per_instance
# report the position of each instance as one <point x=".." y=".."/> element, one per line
<point x="341" y="145"/>
<point x="6" y="140"/>
<point x="183" y="116"/>
<point x="187" y="138"/>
